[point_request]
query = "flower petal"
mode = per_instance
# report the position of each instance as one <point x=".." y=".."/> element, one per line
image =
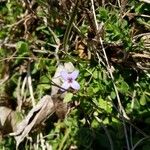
<point x="64" y="74"/>
<point x="75" y="85"/>
<point x="65" y="86"/>
<point x="74" y="74"/>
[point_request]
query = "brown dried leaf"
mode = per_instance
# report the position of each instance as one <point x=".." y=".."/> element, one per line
<point x="7" y="120"/>
<point x="36" y="116"/>
<point x="57" y="80"/>
<point x="69" y="67"/>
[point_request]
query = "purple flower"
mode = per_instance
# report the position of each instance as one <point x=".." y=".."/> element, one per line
<point x="69" y="80"/>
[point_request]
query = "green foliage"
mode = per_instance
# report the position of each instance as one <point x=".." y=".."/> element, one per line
<point x="32" y="45"/>
<point x="22" y="48"/>
<point x="117" y="29"/>
<point x="68" y="97"/>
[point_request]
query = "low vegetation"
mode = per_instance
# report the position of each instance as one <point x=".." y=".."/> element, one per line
<point x="75" y="74"/>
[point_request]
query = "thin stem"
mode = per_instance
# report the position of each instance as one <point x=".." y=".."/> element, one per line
<point x="121" y="109"/>
<point x="30" y="85"/>
<point x="65" y="138"/>
<point x="69" y="27"/>
<point x="108" y="66"/>
<point x="139" y="142"/>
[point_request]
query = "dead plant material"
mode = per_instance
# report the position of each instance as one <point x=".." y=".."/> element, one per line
<point x="38" y="114"/>
<point x="82" y="49"/>
<point x="117" y="55"/>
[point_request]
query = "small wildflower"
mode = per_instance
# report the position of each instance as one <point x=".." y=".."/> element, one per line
<point x="69" y="80"/>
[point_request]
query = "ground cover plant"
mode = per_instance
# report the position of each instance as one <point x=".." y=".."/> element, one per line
<point x="75" y="74"/>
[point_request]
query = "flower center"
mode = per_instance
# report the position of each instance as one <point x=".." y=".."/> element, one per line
<point x="69" y="80"/>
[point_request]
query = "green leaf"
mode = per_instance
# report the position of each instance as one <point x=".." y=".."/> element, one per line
<point x="104" y="104"/>
<point x="68" y="97"/>
<point x="106" y="121"/>
<point x="143" y="100"/>
<point x="44" y="79"/>
<point x="84" y="29"/>
<point x="96" y="89"/>
<point x="114" y="120"/>
<point x="22" y="47"/>
<point x="95" y="74"/>
<point x="103" y="14"/>
<point x="123" y="87"/>
<point x="113" y="95"/>
<point x="94" y="124"/>
<point x="90" y="91"/>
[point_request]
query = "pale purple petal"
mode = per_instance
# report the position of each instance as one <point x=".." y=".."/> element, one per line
<point x="75" y="85"/>
<point x="74" y="74"/>
<point x="64" y="74"/>
<point x="65" y="86"/>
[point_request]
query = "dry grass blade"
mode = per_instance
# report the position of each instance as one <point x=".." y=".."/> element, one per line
<point x="146" y="1"/>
